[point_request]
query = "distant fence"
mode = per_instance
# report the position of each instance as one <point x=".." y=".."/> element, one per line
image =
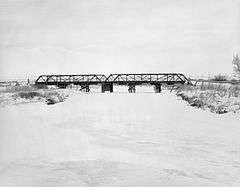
<point x="8" y="83"/>
<point x="16" y="82"/>
<point x="202" y="81"/>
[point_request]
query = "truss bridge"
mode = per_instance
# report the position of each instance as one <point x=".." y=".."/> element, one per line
<point x="107" y="83"/>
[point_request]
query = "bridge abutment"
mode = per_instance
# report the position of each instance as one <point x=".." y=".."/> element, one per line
<point x="107" y="87"/>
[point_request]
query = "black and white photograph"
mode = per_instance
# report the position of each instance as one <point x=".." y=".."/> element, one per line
<point x="119" y="93"/>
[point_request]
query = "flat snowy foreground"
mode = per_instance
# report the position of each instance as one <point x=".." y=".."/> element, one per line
<point x="141" y="140"/>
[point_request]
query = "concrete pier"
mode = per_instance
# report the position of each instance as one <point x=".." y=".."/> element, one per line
<point x="107" y="87"/>
<point x="131" y="88"/>
<point x="158" y="88"/>
<point x="85" y="88"/>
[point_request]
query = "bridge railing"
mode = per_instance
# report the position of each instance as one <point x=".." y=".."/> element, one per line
<point x="200" y="81"/>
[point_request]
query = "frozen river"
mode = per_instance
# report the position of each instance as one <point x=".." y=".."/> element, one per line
<point x="118" y="139"/>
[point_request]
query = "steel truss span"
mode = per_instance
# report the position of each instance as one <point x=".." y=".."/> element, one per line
<point x="70" y="79"/>
<point x="119" y="79"/>
<point x="138" y="79"/>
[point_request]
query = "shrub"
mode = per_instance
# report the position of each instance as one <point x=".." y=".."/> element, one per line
<point x="220" y="109"/>
<point x="219" y="98"/>
<point x="19" y="89"/>
<point x="219" y="78"/>
<point x="236" y="65"/>
<point x="51" y="101"/>
<point x="28" y="95"/>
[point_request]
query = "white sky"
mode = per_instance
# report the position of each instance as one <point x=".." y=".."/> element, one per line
<point x="110" y="36"/>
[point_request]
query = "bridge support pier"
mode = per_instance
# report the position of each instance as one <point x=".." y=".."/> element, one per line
<point x="158" y="88"/>
<point x="85" y="88"/>
<point x="107" y="87"/>
<point x="131" y="88"/>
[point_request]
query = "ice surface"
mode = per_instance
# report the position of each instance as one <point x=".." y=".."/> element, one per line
<point x="118" y="139"/>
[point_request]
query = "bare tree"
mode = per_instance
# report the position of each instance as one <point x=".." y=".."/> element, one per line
<point x="236" y="65"/>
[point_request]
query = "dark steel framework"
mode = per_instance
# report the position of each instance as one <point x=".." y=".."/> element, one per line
<point x="120" y="79"/>
<point x="71" y="79"/>
<point x="138" y="79"/>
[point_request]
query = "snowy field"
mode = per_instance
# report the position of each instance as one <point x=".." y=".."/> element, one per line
<point x="118" y="139"/>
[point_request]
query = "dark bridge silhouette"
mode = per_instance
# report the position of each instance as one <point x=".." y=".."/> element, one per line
<point x="131" y="80"/>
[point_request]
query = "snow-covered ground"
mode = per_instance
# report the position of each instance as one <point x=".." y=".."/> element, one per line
<point x="118" y="139"/>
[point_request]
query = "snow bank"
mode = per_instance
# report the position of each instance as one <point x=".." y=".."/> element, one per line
<point x="26" y="94"/>
<point x="118" y="139"/>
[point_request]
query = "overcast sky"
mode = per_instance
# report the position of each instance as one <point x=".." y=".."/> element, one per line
<point x="110" y="36"/>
